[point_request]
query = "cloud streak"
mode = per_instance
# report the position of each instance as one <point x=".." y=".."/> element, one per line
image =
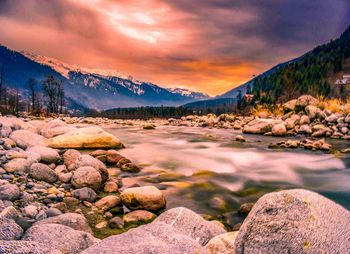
<point x="204" y="45"/>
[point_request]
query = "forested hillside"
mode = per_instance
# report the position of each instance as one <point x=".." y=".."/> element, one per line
<point x="314" y="73"/>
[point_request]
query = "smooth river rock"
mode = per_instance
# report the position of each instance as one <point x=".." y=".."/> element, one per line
<point x="190" y="224"/>
<point x="43" y="172"/>
<point x="25" y="139"/>
<point x="222" y="244"/>
<point x="26" y="247"/>
<point x="9" y="230"/>
<point x="60" y="237"/>
<point x="295" y="221"/>
<point x="89" y="137"/>
<point x="260" y="126"/>
<point x="152" y="238"/>
<point x="143" y="198"/>
<point x="47" y="154"/>
<point x="73" y="220"/>
<point x="86" y="177"/>
<point x="54" y="128"/>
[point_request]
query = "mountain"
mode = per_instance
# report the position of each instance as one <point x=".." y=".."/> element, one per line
<point x="316" y="73"/>
<point x="90" y="88"/>
<point x="242" y="88"/>
<point x="189" y="93"/>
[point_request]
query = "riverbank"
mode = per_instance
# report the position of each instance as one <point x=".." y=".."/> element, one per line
<point x="78" y="176"/>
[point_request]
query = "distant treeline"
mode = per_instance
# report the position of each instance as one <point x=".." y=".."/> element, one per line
<point x="159" y="112"/>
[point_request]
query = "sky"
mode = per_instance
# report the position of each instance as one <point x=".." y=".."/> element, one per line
<point x="204" y="45"/>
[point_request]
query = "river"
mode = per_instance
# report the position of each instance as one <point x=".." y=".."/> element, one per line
<point x="207" y="171"/>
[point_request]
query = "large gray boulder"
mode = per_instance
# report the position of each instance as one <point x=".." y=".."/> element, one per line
<point x="25" y="139"/>
<point x="47" y="154"/>
<point x="9" y="230"/>
<point x="26" y="247"/>
<point x="54" y="128"/>
<point x="191" y="224"/>
<point x="74" y="220"/>
<point x="157" y="238"/>
<point x="295" y="221"/>
<point x="60" y="237"/>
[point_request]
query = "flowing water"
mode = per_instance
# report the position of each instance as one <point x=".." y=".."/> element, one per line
<point x="205" y="170"/>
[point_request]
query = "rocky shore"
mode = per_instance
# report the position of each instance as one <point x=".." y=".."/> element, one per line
<point x="58" y="194"/>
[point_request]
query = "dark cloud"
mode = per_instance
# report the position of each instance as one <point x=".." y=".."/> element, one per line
<point x="205" y="45"/>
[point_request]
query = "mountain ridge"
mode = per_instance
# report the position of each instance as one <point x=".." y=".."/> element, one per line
<point x="91" y="88"/>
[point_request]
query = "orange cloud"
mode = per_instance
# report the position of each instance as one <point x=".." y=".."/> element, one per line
<point x="209" y="46"/>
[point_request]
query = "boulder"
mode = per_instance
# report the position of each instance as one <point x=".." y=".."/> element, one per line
<point x="86" y="177"/>
<point x="113" y="157"/>
<point x="108" y="202"/>
<point x="260" y="126"/>
<point x="73" y="220"/>
<point x="89" y="137"/>
<point x="70" y="157"/>
<point x="47" y="154"/>
<point x="312" y="111"/>
<point x="25" y="139"/>
<point x="190" y="224"/>
<point x="222" y="244"/>
<point x="54" y="128"/>
<point x="139" y="217"/>
<point x="304" y="101"/>
<point x="305" y="128"/>
<point x="110" y="186"/>
<point x="85" y="194"/>
<point x="149" y="126"/>
<point x="279" y="129"/>
<point x="304" y="120"/>
<point x="42" y="172"/>
<point x="332" y="118"/>
<point x="9" y="192"/>
<point x="292" y="121"/>
<point x="295" y="221"/>
<point x="151" y="238"/>
<point x="88" y="160"/>
<point x="9" y="230"/>
<point x="144" y="198"/>
<point x="13" y="122"/>
<point x="289" y="106"/>
<point x="60" y="237"/>
<point x="17" y="165"/>
<point x="27" y="247"/>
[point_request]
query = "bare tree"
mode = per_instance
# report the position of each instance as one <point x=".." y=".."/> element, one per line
<point x="32" y="83"/>
<point x="53" y="89"/>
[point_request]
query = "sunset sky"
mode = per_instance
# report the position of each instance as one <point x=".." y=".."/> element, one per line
<point x="205" y="45"/>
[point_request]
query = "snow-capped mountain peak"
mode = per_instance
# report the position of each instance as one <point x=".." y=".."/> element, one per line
<point x="64" y="68"/>
<point x="188" y="93"/>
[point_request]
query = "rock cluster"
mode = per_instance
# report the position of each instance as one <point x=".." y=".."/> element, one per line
<point x="302" y="116"/>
